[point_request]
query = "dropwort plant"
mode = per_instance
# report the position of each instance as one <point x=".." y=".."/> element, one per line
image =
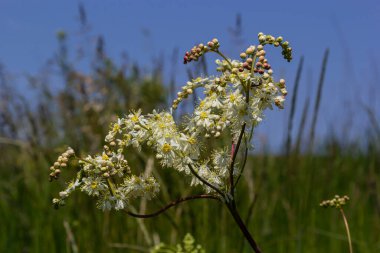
<point x="210" y="148"/>
<point x="338" y="203"/>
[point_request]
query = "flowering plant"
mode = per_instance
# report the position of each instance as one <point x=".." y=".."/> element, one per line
<point x="232" y="106"/>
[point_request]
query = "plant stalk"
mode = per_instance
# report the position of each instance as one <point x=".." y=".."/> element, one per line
<point x="235" y="214"/>
<point x="347" y="229"/>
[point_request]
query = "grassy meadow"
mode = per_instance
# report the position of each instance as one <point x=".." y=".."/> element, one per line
<point x="280" y="195"/>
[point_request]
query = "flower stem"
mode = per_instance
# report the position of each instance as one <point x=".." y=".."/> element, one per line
<point x="232" y="186"/>
<point x="232" y="208"/>
<point x="224" y="57"/>
<point x="205" y="181"/>
<point x="229" y="63"/>
<point x="172" y="204"/>
<point x="347" y="229"/>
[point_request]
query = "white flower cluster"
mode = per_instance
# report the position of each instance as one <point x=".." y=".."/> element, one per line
<point x="98" y="178"/>
<point x="225" y="104"/>
<point x="232" y="106"/>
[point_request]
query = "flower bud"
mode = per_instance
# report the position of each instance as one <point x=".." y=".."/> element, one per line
<point x="63" y="194"/>
<point x="243" y="55"/>
<point x="279" y="102"/>
<point x="249" y="50"/>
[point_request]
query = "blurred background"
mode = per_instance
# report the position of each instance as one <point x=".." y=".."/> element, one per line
<point x="67" y="69"/>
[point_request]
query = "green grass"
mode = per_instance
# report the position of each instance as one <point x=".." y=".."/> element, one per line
<point x="286" y="216"/>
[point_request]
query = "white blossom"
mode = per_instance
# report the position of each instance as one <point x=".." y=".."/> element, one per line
<point x="236" y="97"/>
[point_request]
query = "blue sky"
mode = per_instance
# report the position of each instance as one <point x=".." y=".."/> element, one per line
<point x="147" y="29"/>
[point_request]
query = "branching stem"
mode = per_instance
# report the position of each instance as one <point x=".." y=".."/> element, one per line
<point x="205" y="181"/>
<point x="172" y="204"/>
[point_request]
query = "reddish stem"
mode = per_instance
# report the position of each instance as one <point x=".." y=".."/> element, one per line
<point x="174" y="203"/>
